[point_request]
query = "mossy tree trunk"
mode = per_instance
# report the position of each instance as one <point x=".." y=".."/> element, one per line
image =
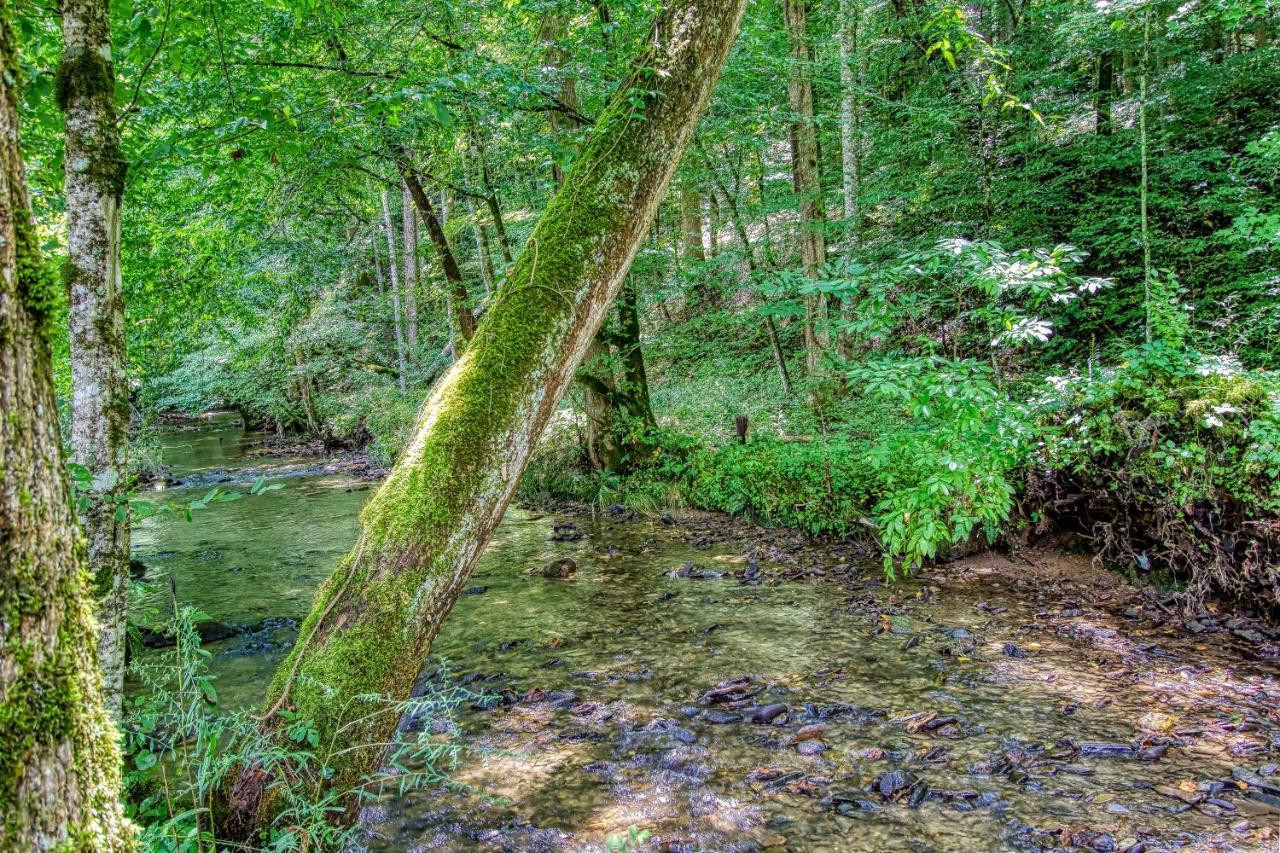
<point x="59" y="762"/>
<point x="95" y="169"/>
<point x="373" y="622"/>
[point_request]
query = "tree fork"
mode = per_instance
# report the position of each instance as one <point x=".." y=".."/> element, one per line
<point x="373" y="622"/>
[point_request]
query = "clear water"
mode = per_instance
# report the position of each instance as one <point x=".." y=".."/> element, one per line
<point x="608" y="728"/>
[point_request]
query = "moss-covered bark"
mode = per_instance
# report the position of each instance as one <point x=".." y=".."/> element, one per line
<point x="95" y="170"/>
<point x="373" y="621"/>
<point x="59" y="762"/>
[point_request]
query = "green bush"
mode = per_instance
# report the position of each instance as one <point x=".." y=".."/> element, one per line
<point x="1169" y="461"/>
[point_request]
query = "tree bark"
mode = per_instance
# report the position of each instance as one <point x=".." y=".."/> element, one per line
<point x="395" y="293"/>
<point x="851" y="142"/>
<point x="59" y="760"/>
<point x="94" y="169"/>
<point x="373" y="621"/>
<point x="691" y="223"/>
<point x="806" y="172"/>
<point x="409" y="219"/>
<point x="452" y="273"/>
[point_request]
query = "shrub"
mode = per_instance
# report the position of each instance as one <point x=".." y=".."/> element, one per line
<point x="1169" y="461"/>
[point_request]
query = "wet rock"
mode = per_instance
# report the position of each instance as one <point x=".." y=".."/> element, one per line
<point x="210" y="631"/>
<point x="732" y="691"/>
<point x="1264" y="790"/>
<point x="693" y="571"/>
<point x="671" y="730"/>
<point x="769" y="714"/>
<point x="719" y="717"/>
<point x="1191" y="797"/>
<point x="901" y="786"/>
<point x="565" y="532"/>
<point x="813" y="731"/>
<point x="850" y="803"/>
<point x="1106" y="750"/>
<point x="1076" y="769"/>
<point x="1088" y="839"/>
<point x="960" y="634"/>
<point x="563" y="568"/>
<point x="811" y="747"/>
<point x="1010" y="650"/>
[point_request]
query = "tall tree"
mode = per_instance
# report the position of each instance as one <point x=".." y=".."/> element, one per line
<point x="410" y="221"/>
<point x="806" y="170"/>
<point x="373" y="621"/>
<point x="389" y="233"/>
<point x="458" y="296"/>
<point x="59" y="761"/>
<point x="94" y="171"/>
<point x="852" y="63"/>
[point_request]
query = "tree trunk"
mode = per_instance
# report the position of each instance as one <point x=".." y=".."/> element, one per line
<point x="483" y="253"/>
<point x="452" y="274"/>
<point x="806" y="172"/>
<point x="474" y="142"/>
<point x="59" y="761"/>
<point x="408" y="215"/>
<point x="481" y="235"/>
<point x="691" y="223"/>
<point x="373" y="621"/>
<point x="713" y="224"/>
<point x="395" y="293"/>
<point x="94" y="168"/>
<point x="635" y="379"/>
<point x="596" y="378"/>
<point x="304" y="393"/>
<point x="851" y="143"/>
<point x="1104" y="94"/>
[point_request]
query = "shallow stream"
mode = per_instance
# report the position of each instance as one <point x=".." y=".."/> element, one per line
<point x="987" y="706"/>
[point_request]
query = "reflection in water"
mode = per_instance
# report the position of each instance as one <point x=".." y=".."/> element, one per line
<point x="603" y="723"/>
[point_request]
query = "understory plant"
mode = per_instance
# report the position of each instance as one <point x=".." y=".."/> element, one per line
<point x="182" y="750"/>
<point x="1168" y="461"/>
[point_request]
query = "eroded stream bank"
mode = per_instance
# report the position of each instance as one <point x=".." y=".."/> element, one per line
<point x="674" y="684"/>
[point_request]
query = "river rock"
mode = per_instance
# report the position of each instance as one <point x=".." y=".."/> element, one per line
<point x="210" y="631"/>
<point x="693" y="571"/>
<point x="717" y="717"/>
<point x="565" y="567"/>
<point x="565" y="532"/>
<point x="769" y="714"/>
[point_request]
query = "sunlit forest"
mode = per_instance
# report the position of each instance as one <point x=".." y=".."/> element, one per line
<point x="617" y="425"/>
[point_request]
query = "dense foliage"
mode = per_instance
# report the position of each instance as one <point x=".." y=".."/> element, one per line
<point x="1034" y="292"/>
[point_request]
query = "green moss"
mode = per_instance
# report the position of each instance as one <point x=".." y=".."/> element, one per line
<point x="37" y="285"/>
<point x="374" y="620"/>
<point x="84" y="74"/>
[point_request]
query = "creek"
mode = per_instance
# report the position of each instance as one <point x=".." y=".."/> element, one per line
<point x="985" y="705"/>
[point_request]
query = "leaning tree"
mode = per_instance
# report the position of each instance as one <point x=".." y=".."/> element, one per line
<point x="373" y="621"/>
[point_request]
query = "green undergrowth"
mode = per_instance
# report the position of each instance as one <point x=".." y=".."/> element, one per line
<point x="183" y="751"/>
<point x="1166" y="461"/>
